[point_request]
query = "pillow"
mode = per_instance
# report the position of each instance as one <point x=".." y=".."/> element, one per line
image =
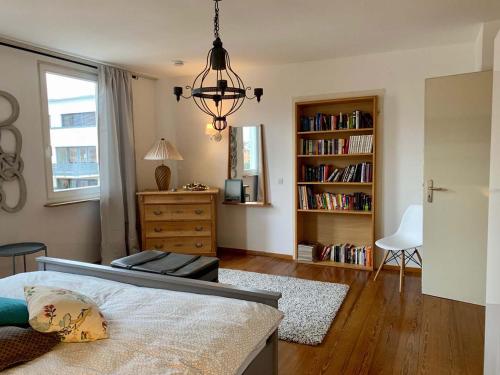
<point x="18" y="345"/>
<point x="75" y="317"/>
<point x="13" y="312"/>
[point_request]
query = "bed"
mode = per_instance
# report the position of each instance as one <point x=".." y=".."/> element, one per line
<point x="158" y="324"/>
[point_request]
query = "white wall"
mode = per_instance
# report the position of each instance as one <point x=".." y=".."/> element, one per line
<point x="492" y="336"/>
<point x="399" y="74"/>
<point x="69" y="231"/>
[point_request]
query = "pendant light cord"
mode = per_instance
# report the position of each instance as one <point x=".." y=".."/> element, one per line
<point x="216" y="19"/>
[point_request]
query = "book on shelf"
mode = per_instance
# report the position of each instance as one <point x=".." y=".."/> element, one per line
<point x="324" y="122"/>
<point x="355" y="144"/>
<point x="361" y="172"/>
<point x="308" y="200"/>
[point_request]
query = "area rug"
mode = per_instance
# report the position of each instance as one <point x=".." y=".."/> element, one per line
<point x="309" y="306"/>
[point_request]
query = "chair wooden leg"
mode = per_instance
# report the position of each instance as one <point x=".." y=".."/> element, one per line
<point x="419" y="257"/>
<point x="401" y="271"/>
<point x="381" y="265"/>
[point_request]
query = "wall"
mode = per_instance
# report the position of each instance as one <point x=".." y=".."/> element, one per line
<point x="399" y="75"/>
<point x="492" y="336"/>
<point x="69" y="231"/>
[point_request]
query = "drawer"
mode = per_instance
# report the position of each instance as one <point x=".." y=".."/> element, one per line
<point x="177" y="198"/>
<point x="199" y="245"/>
<point x="160" y="229"/>
<point x="162" y="212"/>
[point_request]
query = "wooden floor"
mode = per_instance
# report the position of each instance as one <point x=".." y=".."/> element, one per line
<point x="377" y="330"/>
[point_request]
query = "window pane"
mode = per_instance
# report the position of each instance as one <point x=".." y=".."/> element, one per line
<point x="73" y="132"/>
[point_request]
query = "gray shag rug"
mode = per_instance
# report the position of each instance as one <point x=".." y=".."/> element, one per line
<point x="309" y="306"/>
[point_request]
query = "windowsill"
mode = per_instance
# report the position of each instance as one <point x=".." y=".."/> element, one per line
<point x="67" y="203"/>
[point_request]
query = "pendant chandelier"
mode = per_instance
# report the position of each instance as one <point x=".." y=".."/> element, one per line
<point x="227" y="92"/>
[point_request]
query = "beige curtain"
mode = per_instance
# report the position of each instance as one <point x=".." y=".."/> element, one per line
<point x="116" y="165"/>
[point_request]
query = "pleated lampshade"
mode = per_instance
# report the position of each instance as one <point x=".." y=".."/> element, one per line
<point x="163" y="150"/>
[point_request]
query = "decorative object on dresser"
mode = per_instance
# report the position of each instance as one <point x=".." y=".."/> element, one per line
<point x="180" y="221"/>
<point x="246" y="162"/>
<point x="218" y="99"/>
<point x="11" y="164"/>
<point x="195" y="186"/>
<point x="163" y="150"/>
<point x="335" y="177"/>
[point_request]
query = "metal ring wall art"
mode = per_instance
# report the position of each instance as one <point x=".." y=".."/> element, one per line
<point x="11" y="164"/>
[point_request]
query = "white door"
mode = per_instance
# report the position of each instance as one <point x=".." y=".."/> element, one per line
<point x="456" y="159"/>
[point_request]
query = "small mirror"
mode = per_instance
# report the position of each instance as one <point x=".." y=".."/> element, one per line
<point x="246" y="162"/>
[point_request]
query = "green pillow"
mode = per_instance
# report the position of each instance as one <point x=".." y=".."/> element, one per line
<point x="13" y="312"/>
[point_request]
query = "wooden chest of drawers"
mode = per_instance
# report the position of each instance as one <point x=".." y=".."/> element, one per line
<point x="180" y="221"/>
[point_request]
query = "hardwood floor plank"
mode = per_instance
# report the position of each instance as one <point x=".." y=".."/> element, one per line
<point x="378" y="330"/>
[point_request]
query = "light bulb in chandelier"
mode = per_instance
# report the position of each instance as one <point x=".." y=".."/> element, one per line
<point x="219" y="123"/>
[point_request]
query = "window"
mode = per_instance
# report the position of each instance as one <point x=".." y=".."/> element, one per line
<point x="78" y="120"/>
<point x="69" y="102"/>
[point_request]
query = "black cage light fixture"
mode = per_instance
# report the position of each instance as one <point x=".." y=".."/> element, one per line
<point x="227" y="93"/>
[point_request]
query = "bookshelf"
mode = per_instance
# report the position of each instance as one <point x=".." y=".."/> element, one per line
<point x="336" y="226"/>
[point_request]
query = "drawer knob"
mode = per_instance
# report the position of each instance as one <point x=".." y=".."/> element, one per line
<point x="198" y="229"/>
<point x="158" y="230"/>
<point x="158" y="246"/>
<point x="178" y="212"/>
<point x="198" y="211"/>
<point x="198" y="245"/>
<point x="157" y="212"/>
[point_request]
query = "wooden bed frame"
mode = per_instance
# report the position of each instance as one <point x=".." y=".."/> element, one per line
<point x="266" y="362"/>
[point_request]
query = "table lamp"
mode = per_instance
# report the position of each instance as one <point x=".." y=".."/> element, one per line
<point x="163" y="150"/>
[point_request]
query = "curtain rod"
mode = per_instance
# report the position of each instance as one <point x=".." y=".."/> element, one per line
<point x="60" y="56"/>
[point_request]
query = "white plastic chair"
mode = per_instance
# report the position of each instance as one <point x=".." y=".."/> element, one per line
<point x="403" y="244"/>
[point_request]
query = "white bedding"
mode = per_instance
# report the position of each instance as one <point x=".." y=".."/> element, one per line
<point x="153" y="331"/>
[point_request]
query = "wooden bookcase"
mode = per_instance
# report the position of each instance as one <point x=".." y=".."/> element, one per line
<point x="336" y="226"/>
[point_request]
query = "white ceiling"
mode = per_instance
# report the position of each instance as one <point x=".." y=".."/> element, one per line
<point x="146" y="35"/>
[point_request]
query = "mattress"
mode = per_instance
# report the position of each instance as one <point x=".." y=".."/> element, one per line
<point x="153" y="331"/>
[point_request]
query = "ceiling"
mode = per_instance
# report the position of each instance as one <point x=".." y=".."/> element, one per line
<point x="146" y="35"/>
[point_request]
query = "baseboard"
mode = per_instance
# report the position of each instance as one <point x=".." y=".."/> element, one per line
<point x="229" y="250"/>
<point x="391" y="267"/>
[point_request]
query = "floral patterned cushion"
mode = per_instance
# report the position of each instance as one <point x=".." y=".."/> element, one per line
<point x="75" y="317"/>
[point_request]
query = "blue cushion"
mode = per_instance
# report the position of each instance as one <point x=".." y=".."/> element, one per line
<point x="13" y="312"/>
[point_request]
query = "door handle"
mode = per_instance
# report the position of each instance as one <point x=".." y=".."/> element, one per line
<point x="431" y="189"/>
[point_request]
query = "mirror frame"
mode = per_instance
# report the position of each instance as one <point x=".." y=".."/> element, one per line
<point x="264" y="201"/>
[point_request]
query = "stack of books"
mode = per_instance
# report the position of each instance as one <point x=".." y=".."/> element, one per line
<point x="306" y="251"/>
<point x="355" y="144"/>
<point x="321" y="122"/>
<point x="331" y="201"/>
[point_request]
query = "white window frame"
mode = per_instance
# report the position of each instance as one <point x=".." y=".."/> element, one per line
<point x="73" y="194"/>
